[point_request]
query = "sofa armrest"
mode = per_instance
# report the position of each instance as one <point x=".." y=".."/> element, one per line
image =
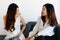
<point x="57" y="32"/>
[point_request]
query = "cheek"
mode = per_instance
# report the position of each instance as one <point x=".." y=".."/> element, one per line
<point x="44" y="13"/>
<point x="17" y="13"/>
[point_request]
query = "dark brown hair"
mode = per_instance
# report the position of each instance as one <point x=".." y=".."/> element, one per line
<point x="10" y="17"/>
<point x="50" y="14"/>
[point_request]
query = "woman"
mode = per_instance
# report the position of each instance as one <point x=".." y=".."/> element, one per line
<point x="45" y="24"/>
<point x="12" y="22"/>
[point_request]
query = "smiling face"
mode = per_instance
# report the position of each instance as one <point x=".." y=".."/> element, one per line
<point x="44" y="11"/>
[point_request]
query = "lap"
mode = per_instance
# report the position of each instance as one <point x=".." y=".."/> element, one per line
<point x="14" y="38"/>
<point x="40" y="38"/>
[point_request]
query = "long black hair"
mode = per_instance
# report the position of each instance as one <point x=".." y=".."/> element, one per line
<point x="50" y="14"/>
<point x="10" y="17"/>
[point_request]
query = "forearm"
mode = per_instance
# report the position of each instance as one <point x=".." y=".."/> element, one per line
<point x="21" y="31"/>
<point x="23" y="28"/>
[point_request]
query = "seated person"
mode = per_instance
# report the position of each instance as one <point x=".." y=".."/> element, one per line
<point x="12" y="23"/>
<point x="45" y="24"/>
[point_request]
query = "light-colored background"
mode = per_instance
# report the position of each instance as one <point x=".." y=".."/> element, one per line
<point x="30" y="9"/>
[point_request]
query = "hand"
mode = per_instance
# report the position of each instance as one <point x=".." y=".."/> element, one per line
<point x="19" y="34"/>
<point x="27" y="38"/>
<point x="32" y="38"/>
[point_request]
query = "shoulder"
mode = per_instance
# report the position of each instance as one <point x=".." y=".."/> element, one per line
<point x="4" y="19"/>
<point x="21" y="18"/>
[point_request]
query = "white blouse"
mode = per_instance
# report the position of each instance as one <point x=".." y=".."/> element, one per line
<point x="16" y="31"/>
<point x="45" y="30"/>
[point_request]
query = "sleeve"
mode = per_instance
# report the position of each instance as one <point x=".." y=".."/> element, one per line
<point x="36" y="28"/>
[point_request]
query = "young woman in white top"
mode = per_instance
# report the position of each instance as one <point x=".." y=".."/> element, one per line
<point x="45" y="23"/>
<point x="12" y="22"/>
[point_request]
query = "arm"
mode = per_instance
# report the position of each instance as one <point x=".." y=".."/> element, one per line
<point x="23" y="27"/>
<point x="32" y="33"/>
<point x="35" y="29"/>
<point x="23" y="23"/>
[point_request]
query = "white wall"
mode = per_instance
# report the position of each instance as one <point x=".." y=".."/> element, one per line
<point x="30" y="9"/>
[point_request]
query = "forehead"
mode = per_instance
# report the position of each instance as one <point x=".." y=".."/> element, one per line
<point x="44" y="7"/>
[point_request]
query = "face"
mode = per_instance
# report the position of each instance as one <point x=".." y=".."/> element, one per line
<point x="17" y="12"/>
<point x="44" y="11"/>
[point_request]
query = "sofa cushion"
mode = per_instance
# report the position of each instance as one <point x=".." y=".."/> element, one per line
<point x="2" y="37"/>
<point x="29" y="27"/>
